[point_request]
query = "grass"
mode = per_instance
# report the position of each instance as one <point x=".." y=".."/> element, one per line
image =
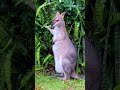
<point x="45" y="82"/>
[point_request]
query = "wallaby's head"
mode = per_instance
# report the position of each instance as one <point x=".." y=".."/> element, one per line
<point x="58" y="20"/>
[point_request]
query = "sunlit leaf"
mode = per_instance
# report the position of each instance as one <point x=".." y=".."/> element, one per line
<point x="46" y="58"/>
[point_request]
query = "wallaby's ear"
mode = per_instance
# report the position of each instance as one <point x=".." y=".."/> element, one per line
<point x="62" y="15"/>
<point x="57" y="13"/>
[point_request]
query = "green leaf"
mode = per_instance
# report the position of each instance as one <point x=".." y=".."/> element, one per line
<point x="117" y="87"/>
<point x="38" y="55"/>
<point x="82" y="33"/>
<point x="39" y="8"/>
<point x="42" y="6"/>
<point x="47" y="58"/>
<point x="38" y="67"/>
<point x="99" y="10"/>
<point x="37" y="23"/>
<point x="7" y="45"/>
<point x="80" y="16"/>
<point x="7" y="67"/>
<point x="26" y="78"/>
<point x="76" y="32"/>
<point x="3" y="33"/>
<point x="116" y="18"/>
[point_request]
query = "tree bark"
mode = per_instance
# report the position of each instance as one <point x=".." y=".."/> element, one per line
<point x="117" y="53"/>
<point x="92" y="68"/>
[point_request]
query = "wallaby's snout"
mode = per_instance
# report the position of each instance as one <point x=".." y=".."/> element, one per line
<point x="52" y="23"/>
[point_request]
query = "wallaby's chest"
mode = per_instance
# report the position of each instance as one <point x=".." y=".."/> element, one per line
<point x="56" y="32"/>
<point x="57" y="48"/>
<point x="62" y="43"/>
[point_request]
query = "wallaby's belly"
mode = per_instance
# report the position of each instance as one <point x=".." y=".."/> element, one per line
<point x="58" y="54"/>
<point x="62" y="51"/>
<point x="63" y="48"/>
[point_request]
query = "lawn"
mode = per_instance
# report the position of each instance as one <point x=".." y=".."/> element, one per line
<point x="46" y="82"/>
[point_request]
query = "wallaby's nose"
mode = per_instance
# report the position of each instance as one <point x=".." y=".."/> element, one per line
<point x="51" y="23"/>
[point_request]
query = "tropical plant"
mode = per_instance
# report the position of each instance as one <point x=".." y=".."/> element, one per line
<point x="16" y="46"/>
<point x="103" y="29"/>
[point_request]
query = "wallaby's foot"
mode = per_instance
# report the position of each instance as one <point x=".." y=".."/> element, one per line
<point x="59" y="75"/>
<point x="62" y="78"/>
<point x="75" y="76"/>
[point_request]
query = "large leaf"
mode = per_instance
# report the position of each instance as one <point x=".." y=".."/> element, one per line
<point x="37" y="52"/>
<point x="116" y="18"/>
<point x="7" y="67"/>
<point x="7" y="45"/>
<point x="117" y="87"/>
<point x="26" y="78"/>
<point x="76" y="32"/>
<point x="99" y="12"/>
<point x="47" y="58"/>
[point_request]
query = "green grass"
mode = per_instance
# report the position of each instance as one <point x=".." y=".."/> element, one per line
<point x="45" y="82"/>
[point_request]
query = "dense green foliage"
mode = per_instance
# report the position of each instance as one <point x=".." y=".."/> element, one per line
<point x="16" y="46"/>
<point x="74" y="19"/>
<point x="103" y="29"/>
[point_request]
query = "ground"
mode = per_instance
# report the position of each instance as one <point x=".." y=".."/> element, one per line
<point x="47" y="82"/>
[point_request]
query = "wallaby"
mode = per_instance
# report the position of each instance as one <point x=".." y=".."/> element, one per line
<point x="65" y="54"/>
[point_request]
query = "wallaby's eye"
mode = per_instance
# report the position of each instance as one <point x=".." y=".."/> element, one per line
<point x="57" y="20"/>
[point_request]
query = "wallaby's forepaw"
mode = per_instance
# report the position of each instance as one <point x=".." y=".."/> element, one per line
<point x="48" y="27"/>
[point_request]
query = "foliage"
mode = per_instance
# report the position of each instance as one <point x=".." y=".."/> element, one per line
<point x="74" y="19"/>
<point x="103" y="29"/>
<point x="16" y="45"/>
<point x="117" y="87"/>
<point x="116" y="18"/>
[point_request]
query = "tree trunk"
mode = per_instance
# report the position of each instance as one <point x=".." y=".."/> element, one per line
<point x="92" y="68"/>
<point x="117" y="53"/>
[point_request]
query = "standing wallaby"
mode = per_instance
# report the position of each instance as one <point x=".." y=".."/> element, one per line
<point x="65" y="54"/>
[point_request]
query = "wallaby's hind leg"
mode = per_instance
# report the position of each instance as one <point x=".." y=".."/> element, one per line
<point x="66" y="68"/>
<point x="66" y="76"/>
